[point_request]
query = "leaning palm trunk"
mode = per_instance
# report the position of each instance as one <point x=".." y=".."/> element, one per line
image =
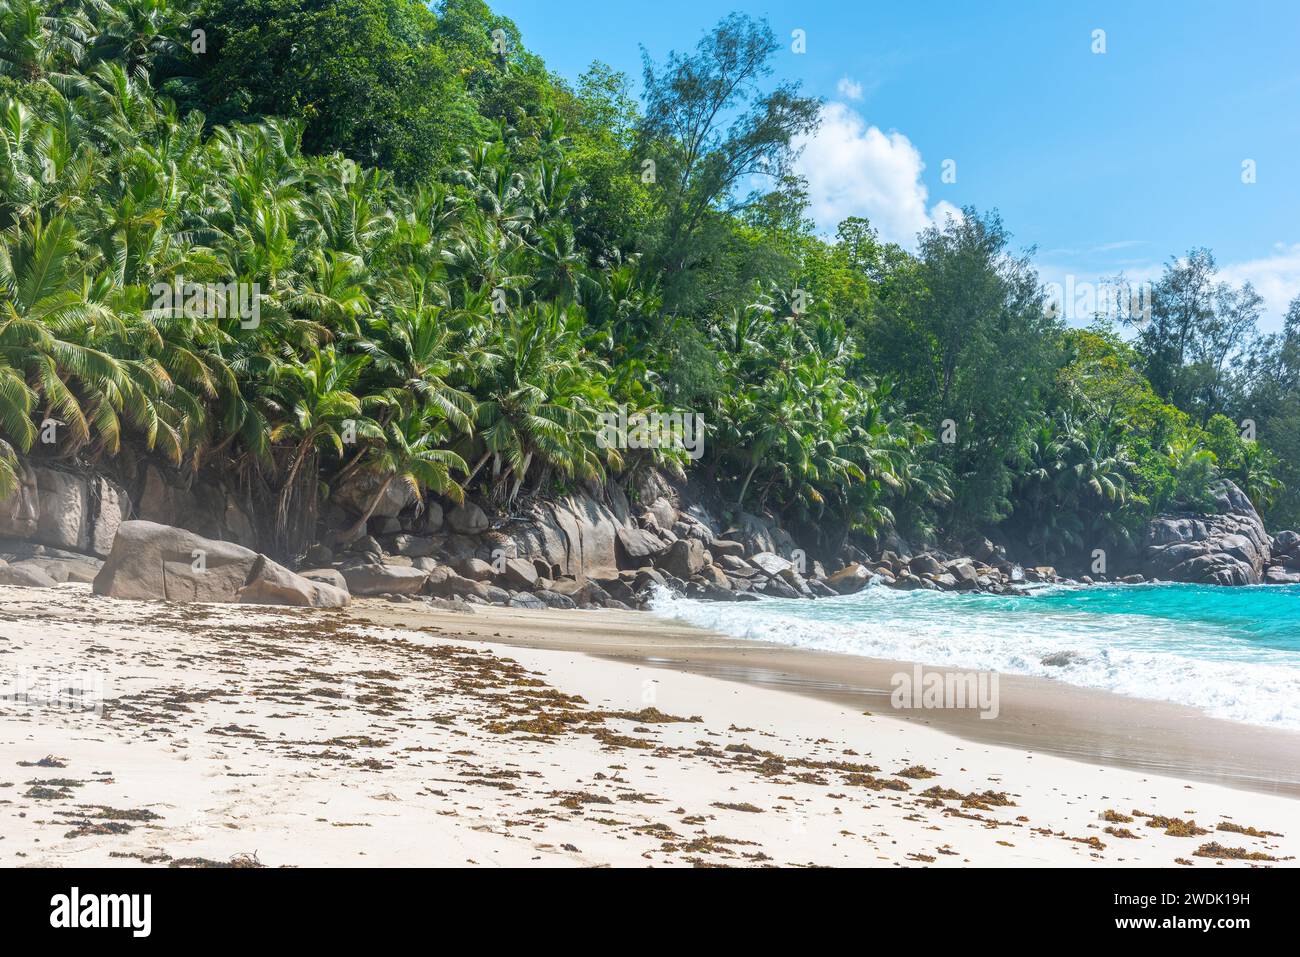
<point x="478" y="465"/>
<point x="740" y="500"/>
<point x="519" y="478"/>
<point x="355" y="529"/>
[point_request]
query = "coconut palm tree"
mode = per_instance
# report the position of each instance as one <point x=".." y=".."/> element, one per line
<point x="137" y="32"/>
<point x="410" y="454"/>
<point x="34" y="43"/>
<point x="541" y="398"/>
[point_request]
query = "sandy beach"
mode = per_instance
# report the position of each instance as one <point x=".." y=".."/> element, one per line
<point x="391" y="734"/>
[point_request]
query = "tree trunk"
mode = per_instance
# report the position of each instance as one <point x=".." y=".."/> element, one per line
<point x="745" y="487"/>
<point x="359" y="525"/>
<point x="519" y="478"/>
<point x="478" y="465"/>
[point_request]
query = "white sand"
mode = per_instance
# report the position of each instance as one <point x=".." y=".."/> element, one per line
<point x="315" y="746"/>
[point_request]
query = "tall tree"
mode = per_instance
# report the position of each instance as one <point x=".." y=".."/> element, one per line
<point x="709" y="127"/>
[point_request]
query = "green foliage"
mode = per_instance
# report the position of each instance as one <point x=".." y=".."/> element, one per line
<point x="366" y="76"/>
<point x="458" y="263"/>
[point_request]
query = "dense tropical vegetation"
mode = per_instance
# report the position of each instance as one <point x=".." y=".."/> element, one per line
<point x="456" y="262"/>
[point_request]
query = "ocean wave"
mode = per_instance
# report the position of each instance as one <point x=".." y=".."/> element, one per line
<point x="1232" y="653"/>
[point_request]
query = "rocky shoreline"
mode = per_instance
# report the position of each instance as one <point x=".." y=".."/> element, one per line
<point x="590" y="549"/>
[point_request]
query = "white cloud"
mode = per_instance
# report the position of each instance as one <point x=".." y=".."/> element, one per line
<point x="849" y="89"/>
<point x="1275" y="277"/>
<point x="857" y="170"/>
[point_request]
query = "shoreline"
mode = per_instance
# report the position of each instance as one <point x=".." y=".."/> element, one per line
<point x="1088" y="725"/>
<point x="394" y="735"/>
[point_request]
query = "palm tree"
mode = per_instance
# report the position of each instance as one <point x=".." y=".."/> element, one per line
<point x="1194" y="472"/>
<point x="1254" y="474"/>
<point x="33" y="44"/>
<point x="542" y="396"/>
<point x="409" y="454"/>
<point x="136" y="32"/>
<point x="313" y="408"/>
<point x="53" y="322"/>
<point x="410" y="348"/>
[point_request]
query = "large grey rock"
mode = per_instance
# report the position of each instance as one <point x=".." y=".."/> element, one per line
<point x="797" y="581"/>
<point x="272" y="584"/>
<point x="925" y="564"/>
<point x="414" y="546"/>
<point x="474" y="568"/>
<point x="1286" y="543"/>
<point x="110" y="506"/>
<point x="430" y="520"/>
<point x="554" y="599"/>
<point x="1229" y="547"/>
<point x="1277" y="575"/>
<point x="374" y="579"/>
<point x="445" y="583"/>
<point x="468" y="519"/>
<point x="770" y="563"/>
<point x="689" y="526"/>
<point x="26" y="575"/>
<point x="850" y="579"/>
<point x="648" y="577"/>
<point x="64" y="509"/>
<point x="733" y="563"/>
<point x="200" y="507"/>
<point x="358" y="489"/>
<point x="820" y="589"/>
<point x="82" y="571"/>
<point x="20" y="512"/>
<point x="778" y="587"/>
<point x="522" y="599"/>
<point x="664" y="512"/>
<point x="684" y="558"/>
<point x="965" y="575"/>
<point x="638" y="547"/>
<point x="151" y="562"/>
<point x="585" y="594"/>
<point x="519" y="573"/>
<point x="326" y="576"/>
<point x="723" y="546"/>
<point x="713" y="575"/>
<point x="578" y="535"/>
<point x="71" y="510"/>
<point x="758" y="534"/>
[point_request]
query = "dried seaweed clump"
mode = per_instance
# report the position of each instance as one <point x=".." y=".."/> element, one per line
<point x="1176" y="826"/>
<point x="1248" y="831"/>
<point x="916" y="772"/>
<point x="1216" y="850"/>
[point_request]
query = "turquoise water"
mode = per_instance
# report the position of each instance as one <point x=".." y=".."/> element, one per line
<point x="1232" y="652"/>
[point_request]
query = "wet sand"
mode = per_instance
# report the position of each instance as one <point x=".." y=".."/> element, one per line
<point x="1036" y="714"/>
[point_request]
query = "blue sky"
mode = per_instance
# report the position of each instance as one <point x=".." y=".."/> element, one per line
<point x="1104" y="162"/>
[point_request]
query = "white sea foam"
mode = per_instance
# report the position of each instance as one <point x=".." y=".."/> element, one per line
<point x="1142" y="656"/>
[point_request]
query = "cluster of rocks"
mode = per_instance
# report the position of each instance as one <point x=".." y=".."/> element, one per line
<point x="1228" y="546"/>
<point x="588" y="549"/>
<point x="940" y="571"/>
<point x="466" y="563"/>
<point x="38" y="566"/>
<point x="1284" y="560"/>
<point x="582" y="553"/>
